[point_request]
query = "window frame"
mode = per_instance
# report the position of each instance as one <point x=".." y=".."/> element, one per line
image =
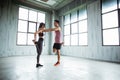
<point x="27" y="33"/>
<point x="102" y="29"/>
<point x="78" y="33"/>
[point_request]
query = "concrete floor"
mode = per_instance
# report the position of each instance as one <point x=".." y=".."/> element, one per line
<point x="23" y="68"/>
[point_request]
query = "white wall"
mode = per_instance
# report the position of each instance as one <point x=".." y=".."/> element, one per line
<point x="94" y="50"/>
<point x="8" y="32"/>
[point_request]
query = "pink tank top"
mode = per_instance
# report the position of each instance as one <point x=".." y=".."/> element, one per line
<point x="58" y="36"/>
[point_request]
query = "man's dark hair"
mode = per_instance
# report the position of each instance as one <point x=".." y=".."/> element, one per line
<point x="57" y="21"/>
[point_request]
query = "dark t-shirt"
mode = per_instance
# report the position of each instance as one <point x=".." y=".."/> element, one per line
<point x="41" y="34"/>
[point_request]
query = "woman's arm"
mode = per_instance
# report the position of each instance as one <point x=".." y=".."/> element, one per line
<point x="37" y="32"/>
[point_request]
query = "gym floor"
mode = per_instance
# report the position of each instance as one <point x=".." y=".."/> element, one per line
<point x="23" y="68"/>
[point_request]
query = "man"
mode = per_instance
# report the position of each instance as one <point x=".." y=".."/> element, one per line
<point x="58" y="41"/>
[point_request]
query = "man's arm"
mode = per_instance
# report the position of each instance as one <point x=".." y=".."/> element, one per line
<point x="51" y="29"/>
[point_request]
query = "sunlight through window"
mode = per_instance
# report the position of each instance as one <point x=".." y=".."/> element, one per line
<point x="110" y="22"/>
<point x="75" y="27"/>
<point x="28" y="23"/>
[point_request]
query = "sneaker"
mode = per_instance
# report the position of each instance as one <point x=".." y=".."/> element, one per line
<point x="39" y="65"/>
<point x="56" y="63"/>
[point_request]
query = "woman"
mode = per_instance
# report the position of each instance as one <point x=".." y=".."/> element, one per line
<point x="39" y="44"/>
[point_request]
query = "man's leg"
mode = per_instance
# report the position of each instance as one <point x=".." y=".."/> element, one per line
<point x="54" y="50"/>
<point x="58" y="57"/>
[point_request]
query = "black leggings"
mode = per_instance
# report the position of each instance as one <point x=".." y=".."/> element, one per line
<point x="39" y="46"/>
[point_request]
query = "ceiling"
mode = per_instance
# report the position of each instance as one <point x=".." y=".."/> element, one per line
<point x="48" y="4"/>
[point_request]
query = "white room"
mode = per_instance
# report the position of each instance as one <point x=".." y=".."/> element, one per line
<point x="59" y="39"/>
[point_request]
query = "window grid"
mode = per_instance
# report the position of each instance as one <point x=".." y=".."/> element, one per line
<point x="28" y="32"/>
<point x="118" y="5"/>
<point x="78" y="33"/>
<point x="113" y="27"/>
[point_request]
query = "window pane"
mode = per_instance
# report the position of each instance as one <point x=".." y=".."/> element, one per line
<point x="74" y="28"/>
<point x="38" y="25"/>
<point x="83" y="26"/>
<point x="32" y="15"/>
<point x="37" y="37"/>
<point x="66" y="40"/>
<point x="111" y="37"/>
<point x="74" y="39"/>
<point x="119" y="3"/>
<point x="110" y="20"/>
<point x="82" y="13"/>
<point x="83" y="39"/>
<point x="67" y="19"/>
<point x="67" y="30"/>
<point x="109" y="5"/>
<point x="74" y="16"/>
<point x="21" y="39"/>
<point x="30" y="38"/>
<point x="22" y="26"/>
<point x="41" y="17"/>
<point x="32" y="27"/>
<point x="23" y="13"/>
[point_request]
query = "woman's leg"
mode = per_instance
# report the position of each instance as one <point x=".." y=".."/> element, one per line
<point x="39" y="49"/>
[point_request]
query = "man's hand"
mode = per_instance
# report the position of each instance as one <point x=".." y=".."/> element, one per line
<point x="62" y="43"/>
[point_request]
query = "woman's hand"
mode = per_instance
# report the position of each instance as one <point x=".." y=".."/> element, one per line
<point x="34" y="41"/>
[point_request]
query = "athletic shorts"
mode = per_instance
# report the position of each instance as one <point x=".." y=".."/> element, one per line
<point x="57" y="46"/>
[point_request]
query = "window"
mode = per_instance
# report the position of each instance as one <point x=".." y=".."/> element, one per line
<point x="41" y="17"/>
<point x="74" y="17"/>
<point x="83" y="26"/>
<point x="67" y="19"/>
<point x="75" y="27"/>
<point x="22" y="26"/>
<point x="74" y="39"/>
<point x="32" y="15"/>
<point x="108" y="5"/>
<point x="32" y="27"/>
<point x="67" y="29"/>
<point x="28" y="23"/>
<point x="66" y="40"/>
<point x="82" y="13"/>
<point x="113" y="38"/>
<point x="83" y="39"/>
<point x="119" y="3"/>
<point x="23" y="11"/>
<point x="110" y="22"/>
<point x="83" y="31"/>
